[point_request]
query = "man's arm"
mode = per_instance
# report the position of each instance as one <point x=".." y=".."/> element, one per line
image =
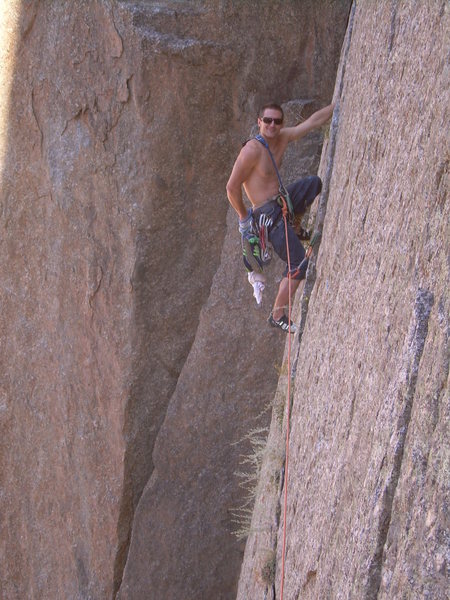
<point x="244" y="165"/>
<point x="316" y="120"/>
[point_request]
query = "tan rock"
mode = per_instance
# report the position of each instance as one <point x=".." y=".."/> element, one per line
<point x="369" y="438"/>
<point x="124" y="119"/>
<point x="182" y="543"/>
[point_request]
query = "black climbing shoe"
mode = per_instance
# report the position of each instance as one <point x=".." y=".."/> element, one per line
<point x="282" y="323"/>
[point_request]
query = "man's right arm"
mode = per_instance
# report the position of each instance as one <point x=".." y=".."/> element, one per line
<point x="316" y="120"/>
<point x="244" y="165"/>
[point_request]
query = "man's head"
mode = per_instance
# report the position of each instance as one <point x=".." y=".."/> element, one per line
<point x="272" y="106"/>
<point x="270" y="119"/>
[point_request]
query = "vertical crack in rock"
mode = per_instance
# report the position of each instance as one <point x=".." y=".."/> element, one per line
<point x="419" y="330"/>
<point x="125" y="521"/>
<point x="33" y="112"/>
<point x="173" y="60"/>
<point x="322" y="208"/>
<point x="394" y="9"/>
<point x="364" y="511"/>
<point x="270" y="590"/>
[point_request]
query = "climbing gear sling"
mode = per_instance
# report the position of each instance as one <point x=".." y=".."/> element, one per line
<point x="283" y="199"/>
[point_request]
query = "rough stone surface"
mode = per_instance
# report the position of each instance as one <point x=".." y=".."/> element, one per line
<point x="193" y="489"/>
<point x="123" y="122"/>
<point x="368" y="472"/>
<point x="66" y="259"/>
<point x="182" y="542"/>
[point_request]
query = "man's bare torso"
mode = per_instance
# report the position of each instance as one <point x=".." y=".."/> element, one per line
<point x="262" y="183"/>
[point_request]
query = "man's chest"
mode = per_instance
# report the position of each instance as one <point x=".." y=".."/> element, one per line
<point x="265" y="167"/>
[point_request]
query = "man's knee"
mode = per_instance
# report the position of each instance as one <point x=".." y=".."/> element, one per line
<point x="303" y="192"/>
<point x="316" y="188"/>
<point x="313" y="190"/>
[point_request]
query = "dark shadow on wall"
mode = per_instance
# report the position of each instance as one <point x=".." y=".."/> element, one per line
<point x="180" y="234"/>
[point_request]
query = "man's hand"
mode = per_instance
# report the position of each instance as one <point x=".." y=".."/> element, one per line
<point x="246" y="224"/>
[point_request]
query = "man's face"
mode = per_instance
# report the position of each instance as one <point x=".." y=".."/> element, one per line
<point x="267" y="126"/>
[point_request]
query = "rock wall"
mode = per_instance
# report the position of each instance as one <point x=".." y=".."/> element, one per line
<point x="125" y="311"/>
<point x="67" y="256"/>
<point x="182" y="544"/>
<point x="367" y="500"/>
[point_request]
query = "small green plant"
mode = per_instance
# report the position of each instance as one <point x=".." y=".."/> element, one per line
<point x="279" y="403"/>
<point x="268" y="568"/>
<point x="281" y="369"/>
<point x="326" y="131"/>
<point x="275" y="479"/>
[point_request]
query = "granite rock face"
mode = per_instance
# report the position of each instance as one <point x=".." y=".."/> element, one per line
<point x="367" y="511"/>
<point x="125" y="309"/>
<point x="67" y="304"/>
<point x="182" y="544"/>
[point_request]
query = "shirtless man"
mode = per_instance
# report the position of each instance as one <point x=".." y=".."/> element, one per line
<point x="254" y="171"/>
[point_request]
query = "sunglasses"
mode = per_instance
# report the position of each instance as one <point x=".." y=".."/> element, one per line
<point x="269" y="120"/>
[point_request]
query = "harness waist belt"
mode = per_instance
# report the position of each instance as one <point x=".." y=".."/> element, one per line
<point x="271" y="208"/>
<point x="268" y="206"/>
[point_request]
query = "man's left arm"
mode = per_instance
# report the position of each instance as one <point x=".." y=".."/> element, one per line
<point x="316" y="120"/>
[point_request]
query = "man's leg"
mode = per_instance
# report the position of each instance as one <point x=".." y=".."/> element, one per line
<point x="277" y="237"/>
<point x="303" y="192"/>
<point x="282" y="299"/>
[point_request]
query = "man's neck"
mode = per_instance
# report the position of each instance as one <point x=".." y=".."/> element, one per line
<point x="271" y="142"/>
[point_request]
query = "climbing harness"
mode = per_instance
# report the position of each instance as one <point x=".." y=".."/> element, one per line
<point x="256" y="248"/>
<point x="283" y="200"/>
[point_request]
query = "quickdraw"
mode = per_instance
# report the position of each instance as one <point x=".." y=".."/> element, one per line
<point x="264" y="224"/>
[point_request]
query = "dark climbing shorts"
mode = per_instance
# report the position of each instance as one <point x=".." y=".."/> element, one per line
<point x="302" y="194"/>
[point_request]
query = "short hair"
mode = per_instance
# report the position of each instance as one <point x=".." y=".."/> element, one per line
<point x="273" y="105"/>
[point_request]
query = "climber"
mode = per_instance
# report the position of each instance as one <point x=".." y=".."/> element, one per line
<point x="256" y="169"/>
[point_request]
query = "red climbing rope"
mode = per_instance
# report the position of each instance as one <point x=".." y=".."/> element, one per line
<point x="291" y="274"/>
<point x="288" y="409"/>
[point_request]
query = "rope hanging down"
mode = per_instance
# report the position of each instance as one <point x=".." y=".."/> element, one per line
<point x="291" y="274"/>
<point x="288" y="213"/>
<point x="288" y="409"/>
